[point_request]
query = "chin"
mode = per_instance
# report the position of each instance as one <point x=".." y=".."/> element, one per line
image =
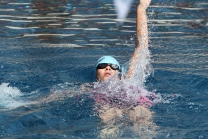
<point x="104" y="79"/>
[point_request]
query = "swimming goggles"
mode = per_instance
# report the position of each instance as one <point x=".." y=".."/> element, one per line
<point x="104" y="65"/>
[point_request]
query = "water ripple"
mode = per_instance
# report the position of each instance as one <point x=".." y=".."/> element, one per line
<point x="45" y="15"/>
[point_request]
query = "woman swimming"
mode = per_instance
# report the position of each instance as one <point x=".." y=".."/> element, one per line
<point x="105" y="64"/>
<point x="113" y="106"/>
<point x="108" y="67"/>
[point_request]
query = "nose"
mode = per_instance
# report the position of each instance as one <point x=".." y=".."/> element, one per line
<point x="108" y="68"/>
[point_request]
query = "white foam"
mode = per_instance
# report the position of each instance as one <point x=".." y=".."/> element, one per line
<point x="12" y="97"/>
<point x="9" y="96"/>
<point x="142" y="69"/>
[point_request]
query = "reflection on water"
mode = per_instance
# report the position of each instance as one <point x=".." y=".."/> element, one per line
<point x="61" y="19"/>
<point x="45" y="43"/>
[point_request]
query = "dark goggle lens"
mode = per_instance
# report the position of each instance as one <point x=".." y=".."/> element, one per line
<point x="104" y="65"/>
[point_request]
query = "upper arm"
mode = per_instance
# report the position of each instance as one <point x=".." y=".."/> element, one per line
<point x="141" y="35"/>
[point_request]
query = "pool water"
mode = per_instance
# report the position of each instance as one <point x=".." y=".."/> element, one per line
<point x="49" y="48"/>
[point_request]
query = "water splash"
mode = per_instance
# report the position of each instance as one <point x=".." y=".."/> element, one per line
<point x="121" y="94"/>
<point x="9" y="96"/>
<point x="128" y="91"/>
<point x="142" y="69"/>
<point x="122" y="8"/>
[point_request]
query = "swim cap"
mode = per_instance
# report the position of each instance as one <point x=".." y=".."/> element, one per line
<point x="108" y="59"/>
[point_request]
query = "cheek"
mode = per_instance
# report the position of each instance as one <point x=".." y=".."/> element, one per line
<point x="114" y="72"/>
<point x="99" y="73"/>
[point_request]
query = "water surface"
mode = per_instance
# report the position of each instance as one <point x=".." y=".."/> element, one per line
<point x="52" y="46"/>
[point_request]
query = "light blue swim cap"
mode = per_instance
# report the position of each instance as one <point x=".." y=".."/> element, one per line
<point x="108" y="59"/>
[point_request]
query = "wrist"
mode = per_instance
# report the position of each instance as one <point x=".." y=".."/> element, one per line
<point x="141" y="8"/>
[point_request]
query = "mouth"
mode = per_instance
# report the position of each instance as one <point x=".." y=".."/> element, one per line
<point x="107" y="74"/>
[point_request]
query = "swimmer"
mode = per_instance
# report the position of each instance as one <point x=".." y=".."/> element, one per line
<point x="113" y="114"/>
<point x="108" y="67"/>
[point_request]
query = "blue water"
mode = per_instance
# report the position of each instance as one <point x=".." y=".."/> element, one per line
<point x="50" y="47"/>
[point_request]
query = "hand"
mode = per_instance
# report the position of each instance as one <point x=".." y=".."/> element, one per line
<point x="144" y="3"/>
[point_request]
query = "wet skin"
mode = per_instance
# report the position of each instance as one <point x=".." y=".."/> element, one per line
<point x="104" y="74"/>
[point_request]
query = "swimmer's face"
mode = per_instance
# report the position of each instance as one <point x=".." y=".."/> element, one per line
<point x="105" y="73"/>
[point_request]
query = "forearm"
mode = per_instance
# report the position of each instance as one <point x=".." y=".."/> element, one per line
<point x="141" y="35"/>
<point x="141" y="28"/>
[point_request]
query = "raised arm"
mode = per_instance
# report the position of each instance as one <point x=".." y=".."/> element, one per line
<point x="141" y="33"/>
